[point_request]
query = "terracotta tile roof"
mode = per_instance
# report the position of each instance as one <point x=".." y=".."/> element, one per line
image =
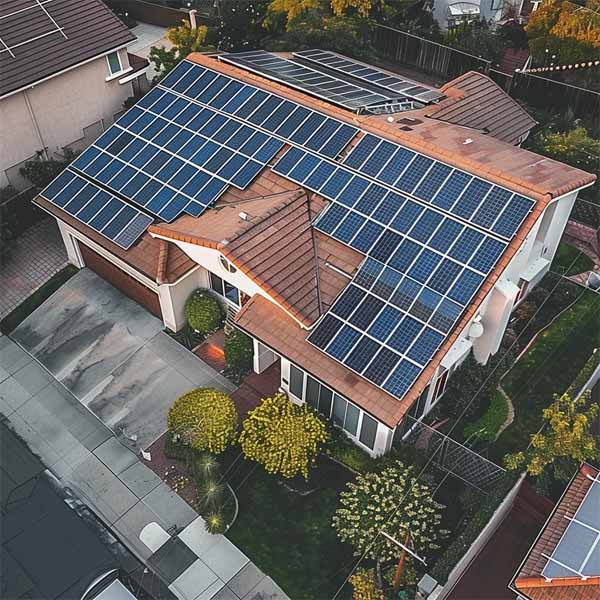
<point x="143" y="256"/>
<point x="265" y="321"/>
<point x="475" y="101"/>
<point x="529" y="580"/>
<point x="517" y="169"/>
<point x="91" y="28"/>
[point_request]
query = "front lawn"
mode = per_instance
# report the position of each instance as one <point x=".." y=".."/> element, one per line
<point x="547" y="368"/>
<point x="563" y="261"/>
<point x="289" y="536"/>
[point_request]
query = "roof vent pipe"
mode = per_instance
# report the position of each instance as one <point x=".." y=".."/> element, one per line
<point x="243" y="216"/>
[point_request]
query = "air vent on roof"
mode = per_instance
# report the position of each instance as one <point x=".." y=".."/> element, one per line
<point x="243" y="216"/>
<point x="405" y="128"/>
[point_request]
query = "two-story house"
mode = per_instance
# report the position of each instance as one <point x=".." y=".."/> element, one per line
<point x="365" y="251"/>
<point x="64" y="75"/>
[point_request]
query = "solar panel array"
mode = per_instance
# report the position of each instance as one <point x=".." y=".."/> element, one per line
<point x="348" y="95"/>
<point x="451" y="190"/>
<point x="424" y="267"/>
<point x="282" y="118"/>
<point x="14" y="36"/>
<point x="96" y="208"/>
<point x="371" y="74"/>
<point x="577" y="553"/>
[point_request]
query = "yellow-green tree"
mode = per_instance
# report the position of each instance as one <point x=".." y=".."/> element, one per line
<point x="204" y="419"/>
<point x="365" y="586"/>
<point x="185" y="40"/>
<point x="295" y="8"/>
<point x="282" y="436"/>
<point x="563" y="442"/>
<point x="363" y="7"/>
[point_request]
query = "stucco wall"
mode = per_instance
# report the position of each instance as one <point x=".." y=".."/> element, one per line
<point x="62" y="106"/>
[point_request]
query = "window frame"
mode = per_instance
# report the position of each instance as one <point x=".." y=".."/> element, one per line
<point x="227" y="265"/>
<point x="223" y="289"/>
<point x="112" y="73"/>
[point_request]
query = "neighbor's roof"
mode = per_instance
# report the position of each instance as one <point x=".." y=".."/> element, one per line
<point x="40" y="49"/>
<point x="529" y="581"/>
<point x="474" y="100"/>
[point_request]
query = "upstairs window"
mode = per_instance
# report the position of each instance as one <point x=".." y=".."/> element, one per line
<point x="114" y="63"/>
<point x="225" y="264"/>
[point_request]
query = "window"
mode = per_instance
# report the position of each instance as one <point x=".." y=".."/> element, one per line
<point x="345" y="415"/>
<point x="368" y="431"/>
<point x="523" y="285"/>
<point x="225" y="289"/>
<point x="440" y="385"/>
<point x="227" y="265"/>
<point x="296" y="382"/>
<point x="114" y="63"/>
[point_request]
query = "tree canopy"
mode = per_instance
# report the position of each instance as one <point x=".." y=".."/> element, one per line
<point x="564" y="441"/>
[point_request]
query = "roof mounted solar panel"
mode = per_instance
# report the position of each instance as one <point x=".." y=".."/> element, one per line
<point x="283" y="119"/>
<point x="325" y="86"/>
<point x="373" y="75"/>
<point x="108" y="215"/>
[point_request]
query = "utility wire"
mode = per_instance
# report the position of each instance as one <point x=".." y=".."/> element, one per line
<point x="435" y="452"/>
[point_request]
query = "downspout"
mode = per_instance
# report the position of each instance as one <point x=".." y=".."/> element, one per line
<point x="35" y="124"/>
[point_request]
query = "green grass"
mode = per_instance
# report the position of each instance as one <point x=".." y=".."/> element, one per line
<point x="547" y="368"/>
<point x="19" y="314"/>
<point x="290" y="537"/>
<point x="491" y="421"/>
<point x="565" y="255"/>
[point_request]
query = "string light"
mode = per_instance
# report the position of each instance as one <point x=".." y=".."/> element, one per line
<point x="582" y="65"/>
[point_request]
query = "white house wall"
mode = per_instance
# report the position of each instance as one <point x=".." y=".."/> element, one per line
<point x="173" y="297"/>
<point x="62" y="108"/>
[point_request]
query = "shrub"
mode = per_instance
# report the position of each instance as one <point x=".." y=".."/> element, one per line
<point x="42" y="172"/>
<point x="204" y="419"/>
<point x="486" y="428"/>
<point x="365" y="586"/>
<point x="239" y="353"/>
<point x="203" y="312"/>
<point x="215" y="523"/>
<point x="282" y="436"/>
<point x="393" y="497"/>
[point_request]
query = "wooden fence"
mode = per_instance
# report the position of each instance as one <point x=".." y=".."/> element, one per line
<point x="154" y="14"/>
<point x="448" y="63"/>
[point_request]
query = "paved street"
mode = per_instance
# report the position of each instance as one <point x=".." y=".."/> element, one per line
<point x="115" y="358"/>
<point x="36" y="255"/>
<point x="82" y="452"/>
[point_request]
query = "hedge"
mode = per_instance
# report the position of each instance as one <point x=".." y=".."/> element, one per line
<point x="203" y="312"/>
<point x="584" y="374"/>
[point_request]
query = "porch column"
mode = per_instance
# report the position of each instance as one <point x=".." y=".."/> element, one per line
<point x="263" y="357"/>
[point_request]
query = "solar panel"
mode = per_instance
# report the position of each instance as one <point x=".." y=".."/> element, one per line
<point x="281" y="118"/>
<point x="105" y="213"/>
<point x="423" y="267"/>
<point x="577" y="553"/>
<point x="14" y="37"/>
<point x="323" y="85"/>
<point x="455" y="192"/>
<point x="171" y="156"/>
<point x="372" y="75"/>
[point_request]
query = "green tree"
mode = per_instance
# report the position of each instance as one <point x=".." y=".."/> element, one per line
<point x="394" y="501"/>
<point x="203" y="312"/>
<point x="242" y="26"/>
<point x="239" y="353"/>
<point x="282" y="436"/>
<point x="204" y="419"/>
<point x="185" y="40"/>
<point x="564" y="441"/>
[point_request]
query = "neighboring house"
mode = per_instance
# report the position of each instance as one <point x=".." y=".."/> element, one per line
<point x="65" y="74"/>
<point x="365" y="256"/>
<point x="564" y="561"/>
<point x="474" y="100"/>
<point x="451" y="13"/>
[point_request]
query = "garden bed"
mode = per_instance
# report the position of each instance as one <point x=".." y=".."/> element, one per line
<point x="569" y="260"/>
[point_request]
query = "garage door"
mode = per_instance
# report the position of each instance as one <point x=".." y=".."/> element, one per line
<point x="128" y="285"/>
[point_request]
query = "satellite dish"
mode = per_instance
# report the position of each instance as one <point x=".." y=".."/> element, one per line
<point x="476" y="330"/>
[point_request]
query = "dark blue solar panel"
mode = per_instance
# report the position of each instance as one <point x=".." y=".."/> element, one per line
<point x="413" y="174"/>
<point x="362" y="354"/>
<point x="471" y="198"/>
<point x="361" y="151"/>
<point x="329" y="220"/>
<point x="348" y="227"/>
<point x="381" y="366"/>
<point x="512" y="216"/>
<point x="432" y="183"/>
<point x="453" y="187"/>
<point x="343" y="342"/>
<point x="108" y="215"/>
<point x="401" y="378"/>
<point x="347" y="302"/>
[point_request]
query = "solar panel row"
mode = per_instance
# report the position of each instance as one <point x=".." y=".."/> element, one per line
<point x="424" y="267"/>
<point x="91" y="205"/>
<point x="451" y="190"/>
<point x="577" y="553"/>
<point x="286" y="120"/>
<point x="371" y="74"/>
<point x="323" y="85"/>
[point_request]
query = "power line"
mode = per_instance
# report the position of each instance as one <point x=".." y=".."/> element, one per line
<point x="435" y="452"/>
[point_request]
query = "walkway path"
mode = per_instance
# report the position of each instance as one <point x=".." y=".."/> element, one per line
<point x="36" y="256"/>
<point x="83" y="453"/>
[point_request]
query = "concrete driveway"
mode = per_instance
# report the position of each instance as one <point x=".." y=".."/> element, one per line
<point x="114" y="357"/>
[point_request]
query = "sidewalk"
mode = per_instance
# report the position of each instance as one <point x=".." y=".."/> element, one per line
<point x="83" y="453"/>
